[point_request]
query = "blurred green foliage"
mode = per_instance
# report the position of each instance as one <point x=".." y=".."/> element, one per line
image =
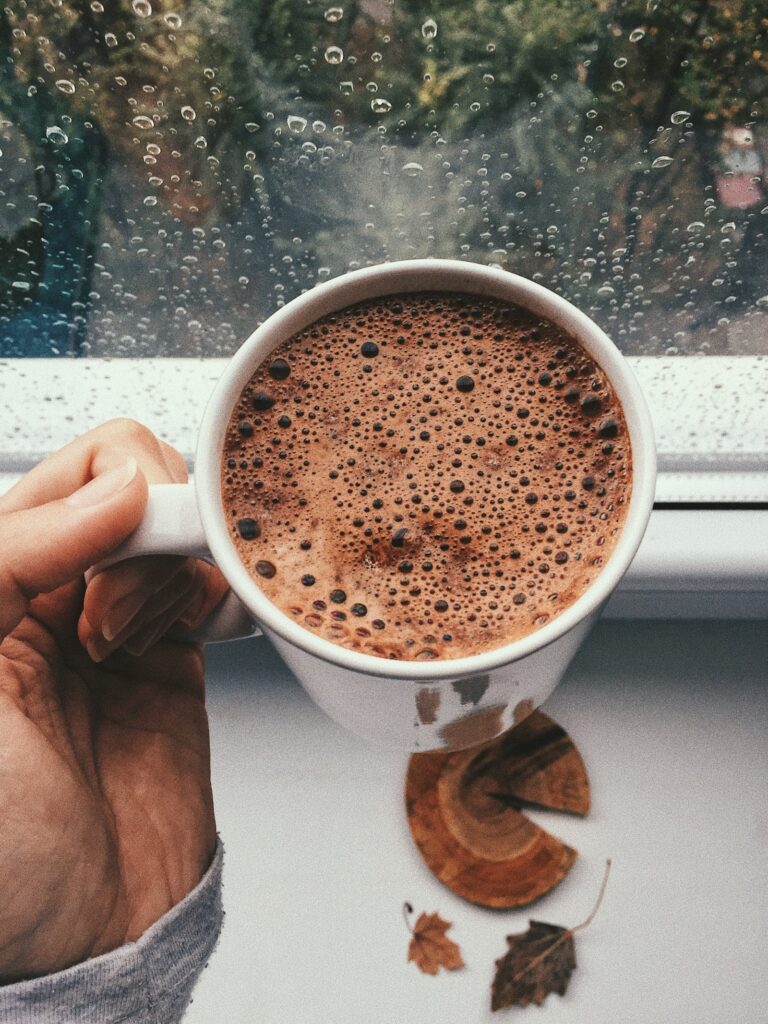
<point x="575" y="141"/>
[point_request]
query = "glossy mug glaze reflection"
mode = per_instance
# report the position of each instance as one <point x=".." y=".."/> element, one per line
<point x="417" y="706"/>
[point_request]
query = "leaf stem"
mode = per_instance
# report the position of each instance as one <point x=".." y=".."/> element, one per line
<point x="407" y="909"/>
<point x="585" y="923"/>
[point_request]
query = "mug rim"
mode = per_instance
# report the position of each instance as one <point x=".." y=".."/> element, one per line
<point x="402" y="277"/>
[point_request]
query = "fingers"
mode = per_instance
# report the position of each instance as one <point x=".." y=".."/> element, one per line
<point x="50" y="544"/>
<point x="77" y="506"/>
<point x="134" y="604"/>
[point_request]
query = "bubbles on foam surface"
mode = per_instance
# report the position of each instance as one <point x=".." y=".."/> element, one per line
<point x="427" y="476"/>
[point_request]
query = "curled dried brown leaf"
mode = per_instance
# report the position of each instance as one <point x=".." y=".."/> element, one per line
<point x="538" y="961"/>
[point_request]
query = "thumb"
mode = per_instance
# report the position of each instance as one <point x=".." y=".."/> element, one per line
<point x="44" y="547"/>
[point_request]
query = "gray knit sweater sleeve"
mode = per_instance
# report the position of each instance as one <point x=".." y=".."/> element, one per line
<point x="145" y="982"/>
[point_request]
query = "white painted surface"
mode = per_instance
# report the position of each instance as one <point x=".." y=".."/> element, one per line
<point x="672" y="721"/>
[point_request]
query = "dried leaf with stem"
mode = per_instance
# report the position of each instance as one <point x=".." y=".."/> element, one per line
<point x="539" y="961"/>
<point x="430" y="948"/>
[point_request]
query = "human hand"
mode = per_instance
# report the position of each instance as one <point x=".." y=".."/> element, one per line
<point x="105" y="799"/>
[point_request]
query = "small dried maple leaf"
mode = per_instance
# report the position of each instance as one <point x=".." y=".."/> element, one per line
<point x="538" y="961"/>
<point x="430" y="948"/>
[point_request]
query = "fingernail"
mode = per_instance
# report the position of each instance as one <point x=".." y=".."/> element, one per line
<point x="104" y="486"/>
<point x="93" y="651"/>
<point x="192" y="614"/>
<point x="121" y="613"/>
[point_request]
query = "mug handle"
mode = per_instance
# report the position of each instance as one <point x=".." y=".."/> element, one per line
<point x="171" y="526"/>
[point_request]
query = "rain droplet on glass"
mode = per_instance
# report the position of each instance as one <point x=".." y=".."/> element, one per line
<point x="636" y="35"/>
<point x="661" y="162"/>
<point x="55" y="135"/>
<point x="429" y="28"/>
<point x="334" y="55"/>
<point x="188" y="113"/>
<point x="142" y="121"/>
<point x="334" y="14"/>
<point x="679" y="116"/>
<point x="142" y="7"/>
<point x="412" y="169"/>
<point x="296" y="124"/>
<point x="64" y="85"/>
<point x="380" y="106"/>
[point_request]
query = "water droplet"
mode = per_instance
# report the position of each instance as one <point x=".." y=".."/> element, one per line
<point x="142" y="7"/>
<point x="696" y="225"/>
<point x="144" y="122"/>
<point x="412" y="169"/>
<point x="97" y="8"/>
<point x="380" y="105"/>
<point x="679" y="116"/>
<point x="488" y="79"/>
<point x="110" y="39"/>
<point x="661" y="162"/>
<point x="334" y="55"/>
<point x="188" y="113"/>
<point x="334" y="14"/>
<point x="429" y="28"/>
<point x="376" y="57"/>
<point x="55" y="135"/>
<point x="120" y="80"/>
<point x="636" y="35"/>
<point x="200" y="142"/>
<point x="150" y="200"/>
<point x="64" y="85"/>
<point x="605" y="291"/>
<point x="620" y="62"/>
<point x="172" y="20"/>
<point x="251" y="126"/>
<point x="762" y="301"/>
<point x="617" y="86"/>
<point x="347" y="88"/>
<point x="296" y="124"/>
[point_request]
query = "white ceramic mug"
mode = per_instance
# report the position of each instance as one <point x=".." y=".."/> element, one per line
<point x="416" y="706"/>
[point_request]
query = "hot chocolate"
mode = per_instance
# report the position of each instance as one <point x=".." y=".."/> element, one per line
<point x="426" y="476"/>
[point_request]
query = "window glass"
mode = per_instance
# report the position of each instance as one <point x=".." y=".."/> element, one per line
<point x="171" y="172"/>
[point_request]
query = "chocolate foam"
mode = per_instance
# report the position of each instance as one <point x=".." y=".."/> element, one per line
<point x="426" y="476"/>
